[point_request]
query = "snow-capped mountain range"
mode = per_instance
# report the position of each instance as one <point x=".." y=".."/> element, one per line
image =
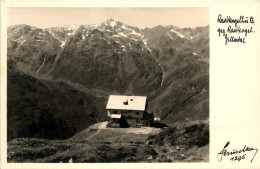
<point x="111" y="28"/>
<point x="114" y="33"/>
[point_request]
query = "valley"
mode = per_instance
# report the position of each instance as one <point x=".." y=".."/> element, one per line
<point x="59" y="80"/>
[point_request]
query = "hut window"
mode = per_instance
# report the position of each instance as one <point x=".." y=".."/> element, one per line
<point x="115" y="112"/>
<point x="137" y="113"/>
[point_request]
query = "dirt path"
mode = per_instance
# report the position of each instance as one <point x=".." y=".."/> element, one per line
<point x="97" y="127"/>
<point x="102" y="125"/>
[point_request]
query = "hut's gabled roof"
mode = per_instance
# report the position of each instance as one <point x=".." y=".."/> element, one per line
<point x="121" y="102"/>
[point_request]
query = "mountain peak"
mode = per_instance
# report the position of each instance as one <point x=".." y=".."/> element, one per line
<point x="111" y="20"/>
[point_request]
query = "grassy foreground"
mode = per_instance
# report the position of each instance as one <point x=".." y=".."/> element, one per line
<point x="186" y="142"/>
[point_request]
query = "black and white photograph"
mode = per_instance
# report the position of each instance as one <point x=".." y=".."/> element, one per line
<point x="108" y="84"/>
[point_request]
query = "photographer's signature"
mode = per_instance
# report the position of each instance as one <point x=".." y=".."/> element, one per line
<point x="236" y="155"/>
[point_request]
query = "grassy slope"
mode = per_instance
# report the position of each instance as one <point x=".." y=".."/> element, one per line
<point x="179" y="143"/>
<point x="52" y="110"/>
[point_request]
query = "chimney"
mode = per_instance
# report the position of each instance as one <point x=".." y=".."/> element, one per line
<point x="125" y="103"/>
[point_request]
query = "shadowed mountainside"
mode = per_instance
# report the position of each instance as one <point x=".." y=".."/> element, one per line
<point x="43" y="109"/>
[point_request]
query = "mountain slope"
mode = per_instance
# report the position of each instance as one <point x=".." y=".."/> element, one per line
<point x="95" y="63"/>
<point x="52" y="110"/>
<point x="185" y="93"/>
<point x="168" y="64"/>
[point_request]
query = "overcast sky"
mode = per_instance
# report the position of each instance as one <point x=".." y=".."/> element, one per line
<point x="139" y="17"/>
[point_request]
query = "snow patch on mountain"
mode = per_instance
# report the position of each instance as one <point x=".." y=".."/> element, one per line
<point x="124" y="48"/>
<point x="169" y="35"/>
<point x="145" y="45"/>
<point x="130" y="46"/>
<point x="124" y="27"/>
<point x="136" y="33"/>
<point x="71" y="33"/>
<point x="96" y="25"/>
<point x="71" y="27"/>
<point x="62" y="43"/>
<point x="179" y="34"/>
<point x="22" y="41"/>
<point x="112" y="22"/>
<point x="117" y="36"/>
<point x="122" y="34"/>
<point x="106" y="41"/>
<point x="134" y="39"/>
